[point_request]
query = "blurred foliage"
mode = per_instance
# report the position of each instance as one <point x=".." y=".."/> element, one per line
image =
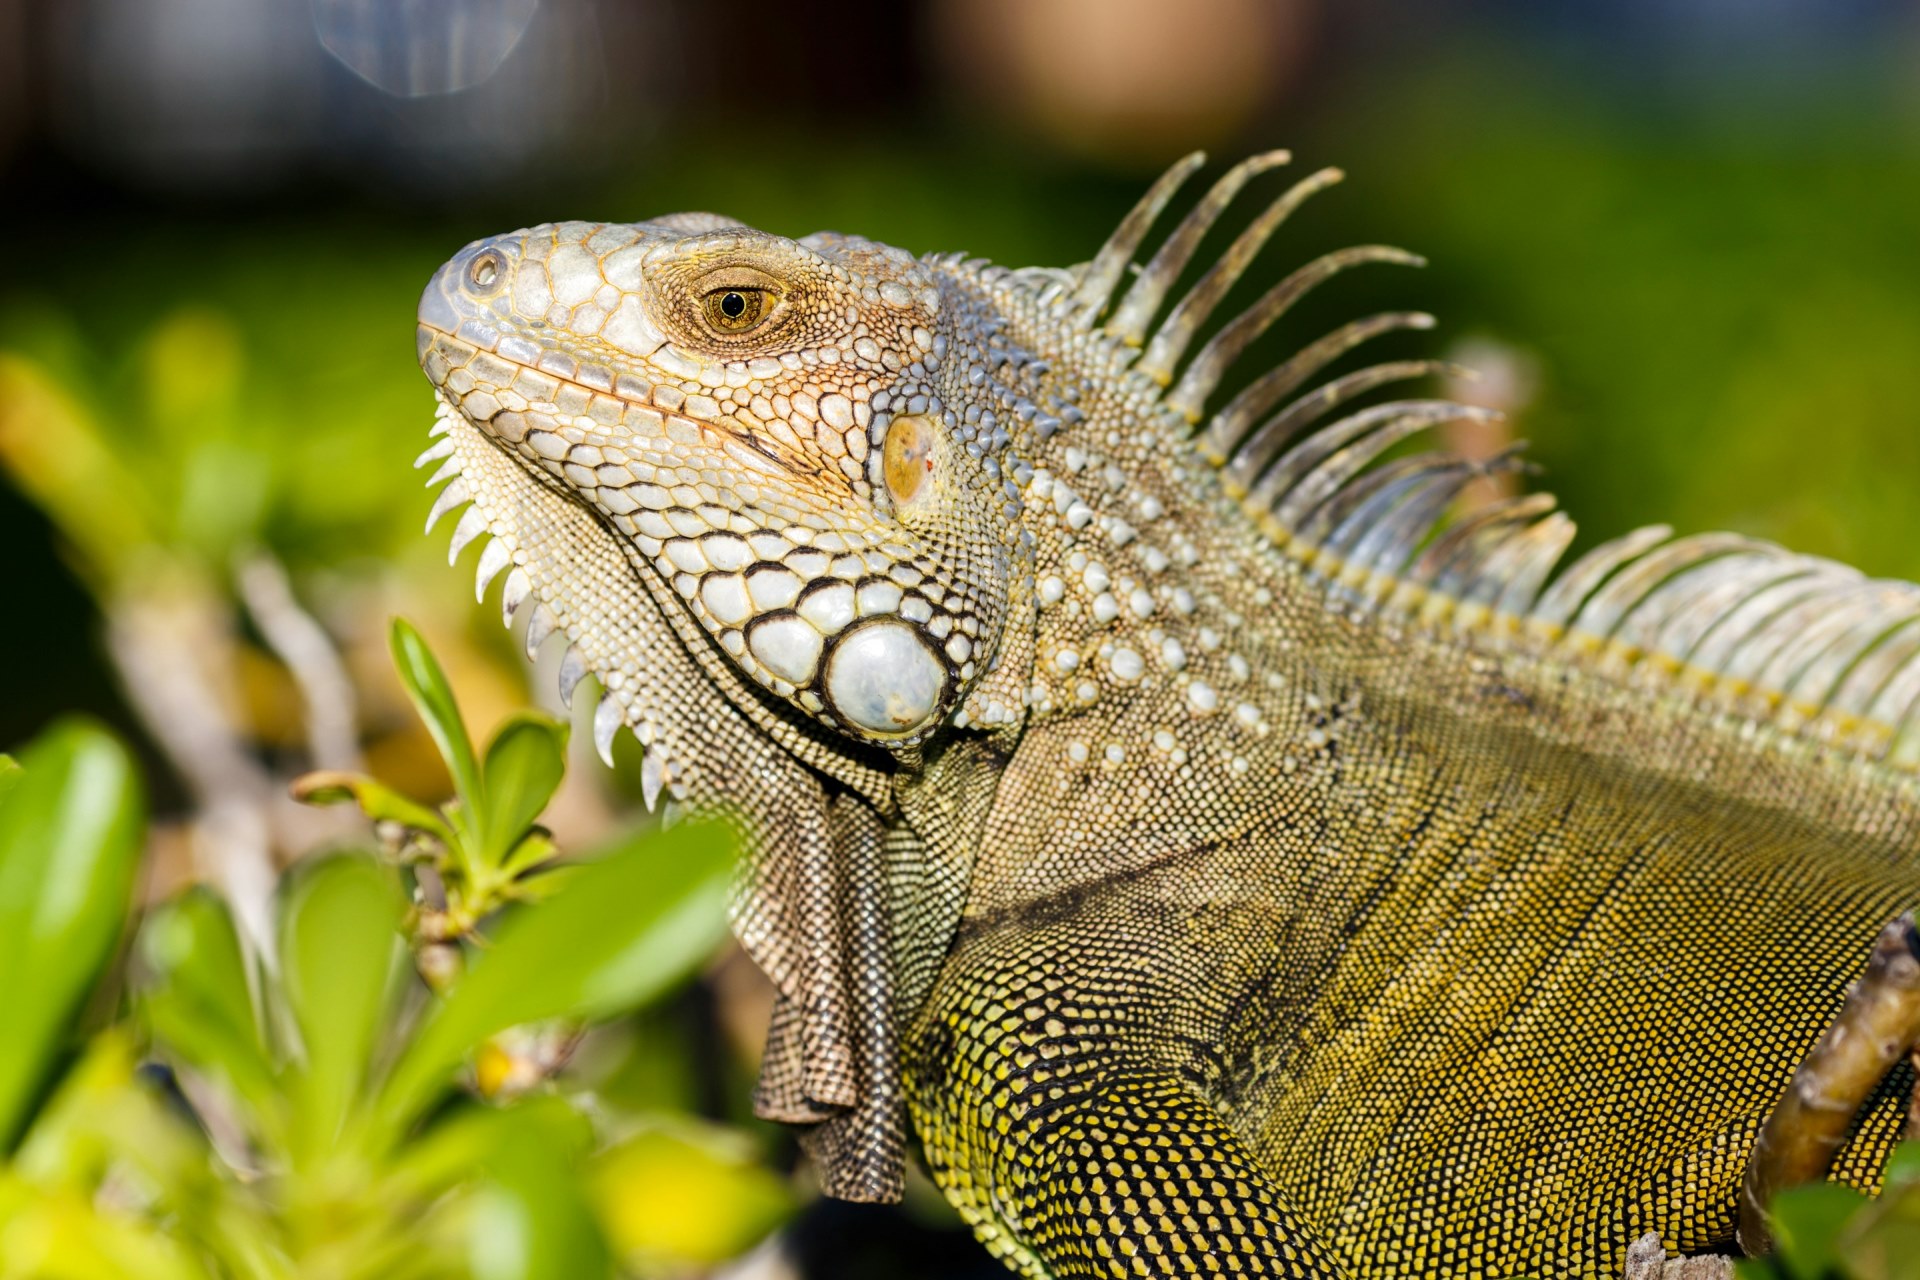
<point x="1826" y="1231"/>
<point x="1723" y="307"/>
<point x="255" y="1116"/>
<point x="214" y="422"/>
<point x="657" y="1192"/>
<point x="338" y="1181"/>
<point x="70" y="815"/>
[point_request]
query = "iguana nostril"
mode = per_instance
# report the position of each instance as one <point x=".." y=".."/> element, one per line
<point x="885" y="679"/>
<point x="484" y="273"/>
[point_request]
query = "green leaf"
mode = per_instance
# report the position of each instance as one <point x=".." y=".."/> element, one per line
<point x="525" y="762"/>
<point x="469" y="1136"/>
<point x="1885" y="1250"/>
<point x="534" y="1220"/>
<point x="1902" y="1169"/>
<point x="544" y="883"/>
<point x="507" y="1186"/>
<point x="1882" y="1240"/>
<point x="1807" y="1222"/>
<point x="625" y="929"/>
<point x="9" y="774"/>
<point x="375" y="799"/>
<point x="340" y="957"/>
<point x="70" y="831"/>
<point x="196" y="1001"/>
<point x="687" y="1195"/>
<point x="535" y="851"/>
<point x="433" y="697"/>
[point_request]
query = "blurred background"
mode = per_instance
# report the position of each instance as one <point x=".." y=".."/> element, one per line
<point x="1678" y="237"/>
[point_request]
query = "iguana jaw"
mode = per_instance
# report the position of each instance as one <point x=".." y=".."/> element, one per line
<point x="660" y="676"/>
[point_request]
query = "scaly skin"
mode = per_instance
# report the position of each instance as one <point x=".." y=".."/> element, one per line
<point x="1227" y="877"/>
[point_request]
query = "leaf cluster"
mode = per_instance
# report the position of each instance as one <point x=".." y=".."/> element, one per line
<point x="215" y="1109"/>
<point x="485" y="845"/>
<point x="1829" y="1231"/>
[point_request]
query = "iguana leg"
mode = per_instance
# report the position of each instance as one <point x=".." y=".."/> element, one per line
<point x="1072" y="1154"/>
<point x="1878" y="1024"/>
<point x="1147" y="1180"/>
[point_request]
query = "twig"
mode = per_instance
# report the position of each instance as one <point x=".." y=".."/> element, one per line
<point x="298" y="639"/>
<point x="167" y="639"/>
<point x="1877" y="1025"/>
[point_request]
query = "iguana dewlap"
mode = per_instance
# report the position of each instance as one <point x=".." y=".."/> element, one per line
<point x="1234" y="862"/>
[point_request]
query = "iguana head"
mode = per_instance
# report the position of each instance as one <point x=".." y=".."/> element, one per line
<point x="773" y="427"/>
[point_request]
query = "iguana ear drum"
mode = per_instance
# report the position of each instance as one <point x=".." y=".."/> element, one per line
<point x="884" y="678"/>
<point x="907" y="456"/>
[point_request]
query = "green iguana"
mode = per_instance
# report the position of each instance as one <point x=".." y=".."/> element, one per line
<point x="1228" y="861"/>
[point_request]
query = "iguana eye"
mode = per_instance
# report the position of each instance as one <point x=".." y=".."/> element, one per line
<point x="735" y="310"/>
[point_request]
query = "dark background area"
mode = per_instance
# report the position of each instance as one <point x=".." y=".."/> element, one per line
<point x="1689" y="220"/>
<point x="1678" y="236"/>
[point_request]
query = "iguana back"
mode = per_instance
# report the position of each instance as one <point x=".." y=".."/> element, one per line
<point x="1238" y="865"/>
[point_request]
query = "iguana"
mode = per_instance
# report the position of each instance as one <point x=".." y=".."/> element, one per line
<point x="1226" y="859"/>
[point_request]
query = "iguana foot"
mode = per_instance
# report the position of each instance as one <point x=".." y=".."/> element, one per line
<point x="1877" y="1025"/>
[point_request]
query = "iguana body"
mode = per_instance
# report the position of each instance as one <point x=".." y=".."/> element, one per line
<point x="1230" y="875"/>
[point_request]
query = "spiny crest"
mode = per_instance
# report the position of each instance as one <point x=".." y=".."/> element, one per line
<point x="1747" y="628"/>
<point x="657" y="773"/>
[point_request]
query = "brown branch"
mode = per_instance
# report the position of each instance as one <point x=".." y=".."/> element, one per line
<point x="171" y="640"/>
<point x="299" y="641"/>
<point x="1876" y="1026"/>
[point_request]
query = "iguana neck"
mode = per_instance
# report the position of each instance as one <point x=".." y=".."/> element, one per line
<point x="1170" y="657"/>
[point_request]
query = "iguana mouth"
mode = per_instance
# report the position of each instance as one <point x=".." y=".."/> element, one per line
<point x="472" y="341"/>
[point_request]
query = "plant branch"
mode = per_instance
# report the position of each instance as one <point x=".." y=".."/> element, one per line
<point x="298" y="639"/>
